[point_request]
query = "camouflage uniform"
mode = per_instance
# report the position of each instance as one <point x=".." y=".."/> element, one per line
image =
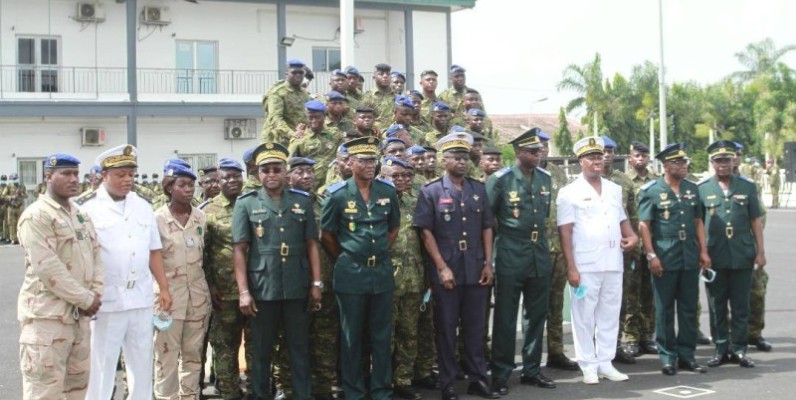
<point x="639" y="322"/>
<point x="229" y="324"/>
<point x="3" y="212"/>
<point x="433" y="136"/>
<point x="339" y="128"/>
<point x="144" y="192"/>
<point x="251" y="183"/>
<point x="455" y="99"/>
<point x="383" y="105"/>
<point x="63" y="270"/>
<point x="321" y="147"/>
<point x="285" y="110"/>
<point x="14" y="196"/>
<point x="558" y="279"/>
<point x="425" y="109"/>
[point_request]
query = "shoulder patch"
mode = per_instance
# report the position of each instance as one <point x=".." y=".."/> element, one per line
<point x="301" y="192"/>
<point x="503" y="171"/>
<point x="649" y="184"/>
<point x="337" y="186"/>
<point x="437" y="179"/>
<point x="247" y="194"/>
<point x="204" y="204"/>
<point x="544" y="171"/>
<point x="386" y="182"/>
<point x="85" y="197"/>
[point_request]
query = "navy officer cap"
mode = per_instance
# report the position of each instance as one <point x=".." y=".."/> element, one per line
<point x="230" y="163"/>
<point x="295" y="162"/>
<point x="61" y="160"/>
<point x="335" y="95"/>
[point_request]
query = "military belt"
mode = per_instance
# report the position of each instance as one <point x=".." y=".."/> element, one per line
<point x="285" y="250"/>
<point x="461" y="245"/>
<point x="681" y="235"/>
<point x="729" y="232"/>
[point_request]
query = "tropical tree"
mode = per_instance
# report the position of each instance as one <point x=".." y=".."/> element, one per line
<point x="563" y="138"/>
<point x="587" y="81"/>
<point x="760" y="58"/>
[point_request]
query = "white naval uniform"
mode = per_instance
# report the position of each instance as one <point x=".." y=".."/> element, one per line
<point x="127" y="232"/>
<point x="596" y="237"/>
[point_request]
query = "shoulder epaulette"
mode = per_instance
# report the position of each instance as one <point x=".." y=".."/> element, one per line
<point x="85" y="197"/>
<point x="204" y="204"/>
<point x="544" y="171"/>
<point x="386" y="182"/>
<point x="747" y="179"/>
<point x="247" y="194"/>
<point x="301" y="192"/>
<point x="649" y="184"/>
<point x="337" y="186"/>
<point x="437" y="179"/>
<point x="502" y="171"/>
<point x="706" y="180"/>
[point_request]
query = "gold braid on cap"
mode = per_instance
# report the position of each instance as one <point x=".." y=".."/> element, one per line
<point x="455" y="144"/>
<point x="533" y="140"/>
<point x="680" y="154"/>
<point x="590" y="147"/>
<point x="269" y="154"/>
<point x="722" y="151"/>
<point x="364" y="149"/>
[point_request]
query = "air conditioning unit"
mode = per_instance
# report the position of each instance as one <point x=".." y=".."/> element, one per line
<point x="155" y="16"/>
<point x="239" y="129"/>
<point x="90" y="12"/>
<point x="92" y="136"/>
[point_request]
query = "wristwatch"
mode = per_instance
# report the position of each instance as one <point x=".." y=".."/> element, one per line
<point x="318" y="284"/>
<point x="651" y="256"/>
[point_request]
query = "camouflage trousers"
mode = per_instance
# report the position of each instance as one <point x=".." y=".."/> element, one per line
<point x="405" y="321"/>
<point x="229" y="328"/>
<point x="3" y="224"/>
<point x="324" y="350"/>
<point x="555" y="313"/>
<point x="639" y="321"/>
<point x="757" y="304"/>
<point x="12" y="216"/>
<point x="426" y="344"/>
<point x="178" y="357"/>
<point x="55" y="359"/>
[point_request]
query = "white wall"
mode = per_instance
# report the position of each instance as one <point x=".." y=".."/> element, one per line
<point x="431" y="44"/>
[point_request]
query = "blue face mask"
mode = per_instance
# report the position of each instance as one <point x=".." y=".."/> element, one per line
<point x="162" y="321"/>
<point x="580" y="291"/>
<point x="426" y="299"/>
<point x="708" y="276"/>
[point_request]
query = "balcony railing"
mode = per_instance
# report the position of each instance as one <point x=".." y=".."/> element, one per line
<point x="33" y="81"/>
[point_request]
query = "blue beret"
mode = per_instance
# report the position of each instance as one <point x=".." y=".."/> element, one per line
<point x="13" y="176"/>
<point x="608" y="143"/>
<point x="175" y="161"/>
<point x="339" y="72"/>
<point x="543" y="136"/>
<point x="315" y="106"/>
<point x="456" y="69"/>
<point x="294" y="162"/>
<point x="335" y="95"/>
<point x="416" y="150"/>
<point x="396" y="74"/>
<point x="97" y="169"/>
<point x="61" y="160"/>
<point x="248" y="155"/>
<point x="391" y="140"/>
<point x="230" y="163"/>
<point x="390" y="160"/>
<point x="476" y="112"/>
<point x="352" y="70"/>
<point x="393" y="129"/>
<point x="178" y="169"/>
<point x="295" y="63"/>
<point x="417" y="93"/>
<point x="440" y="106"/>
<point x="457" y="128"/>
<point x="342" y="149"/>
<point x="404" y="101"/>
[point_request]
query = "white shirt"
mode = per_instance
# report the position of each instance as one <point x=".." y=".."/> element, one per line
<point x="596" y="234"/>
<point x="125" y="238"/>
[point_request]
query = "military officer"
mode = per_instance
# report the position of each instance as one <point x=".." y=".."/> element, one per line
<point x="251" y="179"/>
<point x="735" y="244"/>
<point x="15" y="195"/>
<point x="455" y="93"/>
<point x="61" y="246"/>
<point x="519" y="197"/>
<point x="440" y="122"/>
<point x="317" y="143"/>
<point x="673" y="232"/>
<point x="285" y="106"/>
<point x="359" y="222"/>
<point x="355" y="81"/>
<point x="381" y="99"/>
<point x="3" y="210"/>
<point x="208" y="182"/>
<point x="338" y="120"/>
<point x="275" y="254"/>
<point x="405" y="115"/>
<point x="364" y="120"/>
<point x="162" y="199"/>
<point x="229" y="323"/>
<point x="397" y="82"/>
<point x="456" y="221"/>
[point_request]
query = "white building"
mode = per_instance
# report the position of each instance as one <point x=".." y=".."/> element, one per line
<point x="195" y="70"/>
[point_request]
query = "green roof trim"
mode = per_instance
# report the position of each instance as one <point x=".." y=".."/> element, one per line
<point x="431" y="3"/>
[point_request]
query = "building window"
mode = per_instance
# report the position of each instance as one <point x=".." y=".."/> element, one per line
<point x="325" y="58"/>
<point x="37" y="64"/>
<point x="197" y="66"/>
<point x="31" y="171"/>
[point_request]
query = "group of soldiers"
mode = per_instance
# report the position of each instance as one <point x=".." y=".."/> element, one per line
<point x="359" y="245"/>
<point x="12" y="202"/>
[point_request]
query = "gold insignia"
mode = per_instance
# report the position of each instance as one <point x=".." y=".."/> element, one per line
<point x="128" y="150"/>
<point x="592" y="142"/>
<point x="513" y="196"/>
<point x="352" y="204"/>
<point x="664" y="196"/>
<point x="53" y="161"/>
<point x="269" y="146"/>
<point x="371" y="140"/>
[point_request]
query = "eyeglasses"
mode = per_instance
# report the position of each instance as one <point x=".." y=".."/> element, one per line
<point x="273" y="171"/>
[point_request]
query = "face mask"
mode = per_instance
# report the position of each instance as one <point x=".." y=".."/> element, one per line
<point x="708" y="276"/>
<point x="580" y="291"/>
<point x="426" y="299"/>
<point x="162" y="321"/>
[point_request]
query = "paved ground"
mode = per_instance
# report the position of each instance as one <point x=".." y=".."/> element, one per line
<point x="773" y="378"/>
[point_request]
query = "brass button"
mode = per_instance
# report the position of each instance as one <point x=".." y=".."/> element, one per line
<point x="464" y="233"/>
<point x="464" y="218"/>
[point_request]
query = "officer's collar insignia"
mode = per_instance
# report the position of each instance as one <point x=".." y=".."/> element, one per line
<point x="513" y="196"/>
<point x="664" y="196"/>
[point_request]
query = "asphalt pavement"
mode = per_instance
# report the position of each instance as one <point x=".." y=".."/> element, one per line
<point x="774" y="376"/>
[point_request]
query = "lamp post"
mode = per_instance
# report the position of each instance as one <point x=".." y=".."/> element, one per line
<point x="662" y="79"/>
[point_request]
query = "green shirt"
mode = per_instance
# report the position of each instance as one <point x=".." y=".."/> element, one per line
<point x="285" y="111"/>
<point x="520" y="207"/>
<point x="405" y="252"/>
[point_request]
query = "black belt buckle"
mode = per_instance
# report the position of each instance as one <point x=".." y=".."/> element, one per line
<point x="130" y="284"/>
<point x="372" y="261"/>
<point x="729" y="232"/>
<point x="534" y="236"/>
<point x="462" y="245"/>
<point x="284" y="250"/>
<point x="682" y="234"/>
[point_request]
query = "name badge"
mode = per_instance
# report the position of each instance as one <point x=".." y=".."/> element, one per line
<point x="383" y="202"/>
<point x="190" y="242"/>
<point x="81" y="234"/>
<point x="261" y="211"/>
<point x="446" y="200"/>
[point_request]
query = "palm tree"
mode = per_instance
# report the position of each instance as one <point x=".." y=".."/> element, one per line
<point x="760" y="58"/>
<point x="587" y="81"/>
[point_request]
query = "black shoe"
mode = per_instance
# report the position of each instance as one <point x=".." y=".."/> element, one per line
<point x="742" y="360"/>
<point x="538" y="380"/>
<point x="461" y="376"/>
<point x="702" y="339"/>
<point x="404" y="392"/>
<point x="623" y="356"/>
<point x="632" y="348"/>
<point x="692" y="366"/>
<point x="668" y="369"/>
<point x="500" y="387"/>
<point x="649" y="347"/>
<point x="718" y="359"/>
<point x="449" y="393"/>
<point x="560" y="361"/>
<point x="761" y="344"/>
<point x="428" y="382"/>
<point x="480" y="388"/>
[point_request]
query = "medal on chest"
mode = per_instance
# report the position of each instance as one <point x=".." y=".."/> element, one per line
<point x="352" y="226"/>
<point x="515" y="212"/>
<point x="259" y="231"/>
<point x="666" y="214"/>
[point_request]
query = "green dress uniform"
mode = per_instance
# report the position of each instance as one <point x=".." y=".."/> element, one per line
<point x="363" y="280"/>
<point x="520" y="204"/>
<point x="732" y="249"/>
<point x="279" y="276"/>
<point x="671" y="218"/>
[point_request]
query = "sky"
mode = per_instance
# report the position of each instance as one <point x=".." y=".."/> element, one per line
<point x="515" y="51"/>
